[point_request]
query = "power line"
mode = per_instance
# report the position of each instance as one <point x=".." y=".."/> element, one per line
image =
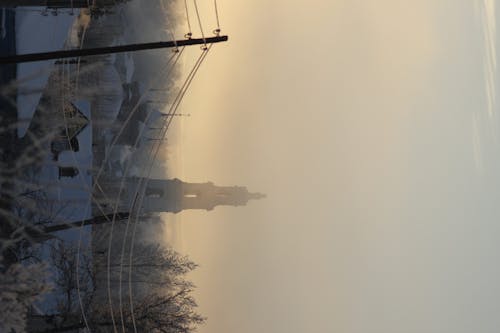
<point x="168" y="121"/>
<point x="189" y="33"/>
<point x="217" y="31"/>
<point x="122" y="182"/>
<point x="199" y="23"/>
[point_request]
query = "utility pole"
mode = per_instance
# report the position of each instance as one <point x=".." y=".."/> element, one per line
<point x="42" y="234"/>
<point x="30" y="57"/>
<point x="163" y="114"/>
<point x="93" y="221"/>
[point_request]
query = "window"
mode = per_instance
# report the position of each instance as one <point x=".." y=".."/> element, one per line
<point x="154" y="193"/>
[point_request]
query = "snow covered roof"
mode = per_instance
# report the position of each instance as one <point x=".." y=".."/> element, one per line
<point x="51" y="34"/>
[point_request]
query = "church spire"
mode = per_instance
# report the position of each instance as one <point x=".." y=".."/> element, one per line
<point x="174" y="195"/>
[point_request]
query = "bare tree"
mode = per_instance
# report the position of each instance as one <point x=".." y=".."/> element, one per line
<point x="170" y="311"/>
<point x="20" y="286"/>
<point x="162" y="298"/>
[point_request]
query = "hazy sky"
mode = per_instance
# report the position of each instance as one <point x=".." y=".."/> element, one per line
<point x="373" y="129"/>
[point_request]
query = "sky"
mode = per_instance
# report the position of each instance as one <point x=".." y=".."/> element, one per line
<point x="372" y="126"/>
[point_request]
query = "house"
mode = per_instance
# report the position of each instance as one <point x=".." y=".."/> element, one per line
<point x="74" y="123"/>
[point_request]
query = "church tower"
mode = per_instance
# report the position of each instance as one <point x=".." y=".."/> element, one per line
<point x="174" y="195"/>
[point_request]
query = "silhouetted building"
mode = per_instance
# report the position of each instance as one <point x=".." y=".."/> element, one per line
<point x="174" y="195"/>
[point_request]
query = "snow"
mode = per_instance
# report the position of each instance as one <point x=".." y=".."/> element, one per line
<point x="124" y="63"/>
<point x="118" y="158"/>
<point x="79" y="187"/>
<point x="71" y="194"/>
<point x="37" y="33"/>
<point x="83" y="106"/>
<point x="109" y="97"/>
<point x="129" y="68"/>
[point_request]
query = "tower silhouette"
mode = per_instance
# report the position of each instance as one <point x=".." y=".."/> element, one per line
<point x="174" y="195"/>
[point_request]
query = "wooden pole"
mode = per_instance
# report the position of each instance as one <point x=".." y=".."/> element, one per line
<point x="30" y="57"/>
<point x="93" y="221"/>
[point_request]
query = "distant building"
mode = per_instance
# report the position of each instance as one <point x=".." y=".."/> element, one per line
<point x="174" y="195"/>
